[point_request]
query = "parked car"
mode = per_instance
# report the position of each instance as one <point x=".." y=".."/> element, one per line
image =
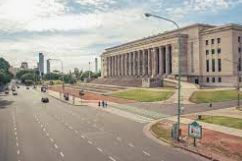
<point x="6" y="92"/>
<point x="45" y="99"/>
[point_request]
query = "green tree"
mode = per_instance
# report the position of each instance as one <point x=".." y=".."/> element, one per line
<point x="5" y="75"/>
<point x="27" y="77"/>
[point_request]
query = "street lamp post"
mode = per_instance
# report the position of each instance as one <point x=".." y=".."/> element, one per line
<point x="179" y="71"/>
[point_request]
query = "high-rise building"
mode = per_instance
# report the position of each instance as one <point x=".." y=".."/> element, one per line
<point x="41" y="64"/>
<point x="48" y="66"/>
<point x="24" y="65"/>
<point x="96" y="65"/>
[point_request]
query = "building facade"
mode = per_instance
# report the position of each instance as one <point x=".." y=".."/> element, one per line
<point x="41" y="64"/>
<point x="48" y="66"/>
<point x="209" y="56"/>
<point x="24" y="65"/>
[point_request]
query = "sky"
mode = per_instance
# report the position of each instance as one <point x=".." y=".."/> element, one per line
<point x="77" y="31"/>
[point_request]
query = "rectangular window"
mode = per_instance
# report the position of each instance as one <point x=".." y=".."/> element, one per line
<point x="206" y="42"/>
<point x="239" y="49"/>
<point x="219" y="65"/>
<point x="239" y="39"/>
<point x="207" y="65"/>
<point x="239" y="64"/>
<point x="239" y="79"/>
<point x="213" y="80"/>
<point x="213" y="65"/>
<point x="218" y="50"/>
<point x="218" y="40"/>
<point x="219" y="79"/>
<point x="213" y="51"/>
<point x="207" y="52"/>
<point x="207" y="79"/>
<point x="212" y="41"/>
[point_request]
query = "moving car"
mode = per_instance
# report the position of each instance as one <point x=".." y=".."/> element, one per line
<point x="27" y="87"/>
<point x="45" y="99"/>
<point x="6" y="92"/>
<point x="14" y="93"/>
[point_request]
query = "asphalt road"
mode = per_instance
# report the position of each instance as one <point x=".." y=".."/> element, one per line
<point x="32" y="131"/>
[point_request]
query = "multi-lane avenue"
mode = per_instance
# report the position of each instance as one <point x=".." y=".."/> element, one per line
<point x="32" y="131"/>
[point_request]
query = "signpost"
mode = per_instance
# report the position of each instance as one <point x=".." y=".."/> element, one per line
<point x="195" y="131"/>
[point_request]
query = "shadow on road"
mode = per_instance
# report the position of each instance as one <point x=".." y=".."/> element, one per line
<point x="4" y="103"/>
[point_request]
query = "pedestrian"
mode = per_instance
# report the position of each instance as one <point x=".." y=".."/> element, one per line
<point x="106" y="104"/>
<point x="103" y="103"/>
<point x="99" y="103"/>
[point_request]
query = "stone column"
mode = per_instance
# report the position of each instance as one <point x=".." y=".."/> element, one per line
<point x="149" y="62"/>
<point x="134" y="64"/>
<point x="118" y="65"/>
<point x="138" y="61"/>
<point x="167" y="60"/>
<point x="127" y="64"/>
<point x="121" y="64"/>
<point x="154" y="62"/>
<point x="144" y="63"/>
<point x="130" y="64"/>
<point x="161" y="61"/>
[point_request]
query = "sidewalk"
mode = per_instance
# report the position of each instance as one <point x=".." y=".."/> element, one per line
<point x="218" y="128"/>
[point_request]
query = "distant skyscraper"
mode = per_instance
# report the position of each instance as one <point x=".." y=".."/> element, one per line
<point x="41" y="64"/>
<point x="24" y="65"/>
<point x="96" y="65"/>
<point x="48" y="66"/>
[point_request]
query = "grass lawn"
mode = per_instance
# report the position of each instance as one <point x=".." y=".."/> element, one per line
<point x="223" y="121"/>
<point x="144" y="95"/>
<point x="161" y="133"/>
<point x="214" y="96"/>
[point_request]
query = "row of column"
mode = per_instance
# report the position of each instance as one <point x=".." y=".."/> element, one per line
<point x="148" y="62"/>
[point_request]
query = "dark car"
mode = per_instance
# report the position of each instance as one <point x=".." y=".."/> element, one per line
<point x="45" y="99"/>
<point x="6" y="92"/>
<point x="27" y="87"/>
<point x="18" y="87"/>
<point x="14" y="93"/>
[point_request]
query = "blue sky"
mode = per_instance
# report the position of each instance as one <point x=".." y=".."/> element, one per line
<point x="77" y="31"/>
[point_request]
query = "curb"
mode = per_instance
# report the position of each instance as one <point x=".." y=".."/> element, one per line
<point x="65" y="101"/>
<point x="150" y="134"/>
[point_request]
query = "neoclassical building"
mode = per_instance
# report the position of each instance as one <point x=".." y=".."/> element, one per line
<point x="210" y="56"/>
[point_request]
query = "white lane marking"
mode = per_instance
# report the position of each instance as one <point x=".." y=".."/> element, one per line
<point x="17" y="144"/>
<point x="15" y="129"/>
<point x="55" y="146"/>
<point x="47" y="134"/>
<point x="62" y="155"/>
<point x="41" y="125"/>
<point x="99" y="149"/>
<point x="16" y="138"/>
<point x="146" y="153"/>
<point x="131" y="145"/>
<point x="111" y="158"/>
<point x="15" y="133"/>
<point x="76" y="131"/>
<point x="43" y="129"/>
<point x="52" y="140"/>
<point x="18" y="151"/>
<point x="83" y="137"/>
<point x="70" y="128"/>
<point x="89" y="142"/>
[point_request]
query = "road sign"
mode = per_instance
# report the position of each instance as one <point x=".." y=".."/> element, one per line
<point x="195" y="130"/>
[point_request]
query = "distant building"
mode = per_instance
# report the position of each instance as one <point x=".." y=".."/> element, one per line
<point x="41" y="64"/>
<point x="48" y="66"/>
<point x="24" y="65"/>
<point x="13" y="70"/>
<point x="96" y="65"/>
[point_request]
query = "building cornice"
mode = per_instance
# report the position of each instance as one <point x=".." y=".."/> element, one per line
<point x="222" y="28"/>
